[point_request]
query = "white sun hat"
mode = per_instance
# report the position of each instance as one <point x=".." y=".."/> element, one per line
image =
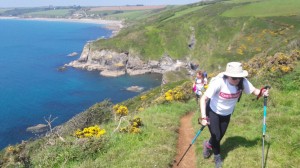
<point x="235" y="69"/>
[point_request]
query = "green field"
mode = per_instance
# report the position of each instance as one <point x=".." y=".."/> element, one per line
<point x="184" y="12"/>
<point x="266" y="9"/>
<point x="128" y="15"/>
<point x="50" y="13"/>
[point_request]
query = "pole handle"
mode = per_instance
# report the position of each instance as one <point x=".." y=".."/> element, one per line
<point x="261" y="90"/>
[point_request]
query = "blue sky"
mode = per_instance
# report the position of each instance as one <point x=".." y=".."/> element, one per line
<point x="36" y="3"/>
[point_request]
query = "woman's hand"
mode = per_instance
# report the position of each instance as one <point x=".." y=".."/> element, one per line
<point x="262" y="92"/>
<point x="265" y="92"/>
<point x="203" y="121"/>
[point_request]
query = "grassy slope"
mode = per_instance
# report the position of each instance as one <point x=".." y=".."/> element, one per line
<point x="214" y="35"/>
<point x="156" y="146"/>
<point x="219" y="37"/>
<point x="266" y="9"/>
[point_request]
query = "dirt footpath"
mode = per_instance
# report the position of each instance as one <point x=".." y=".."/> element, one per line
<point x="186" y="135"/>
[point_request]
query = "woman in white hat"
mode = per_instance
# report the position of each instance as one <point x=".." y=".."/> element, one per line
<point x="218" y="102"/>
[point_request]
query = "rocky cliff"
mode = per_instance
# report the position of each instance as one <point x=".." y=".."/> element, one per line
<point x="111" y="63"/>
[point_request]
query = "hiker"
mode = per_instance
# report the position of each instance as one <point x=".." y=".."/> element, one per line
<point x="218" y="102"/>
<point x="198" y="85"/>
<point x="205" y="79"/>
<point x="205" y="74"/>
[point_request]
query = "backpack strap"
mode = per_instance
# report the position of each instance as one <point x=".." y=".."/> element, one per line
<point x="241" y="88"/>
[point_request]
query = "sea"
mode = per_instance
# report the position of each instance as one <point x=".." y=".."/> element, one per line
<point x="32" y="88"/>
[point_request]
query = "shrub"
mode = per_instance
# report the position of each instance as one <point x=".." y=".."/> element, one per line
<point x="179" y="93"/>
<point x="120" y="110"/>
<point x="93" y="131"/>
<point x="133" y="127"/>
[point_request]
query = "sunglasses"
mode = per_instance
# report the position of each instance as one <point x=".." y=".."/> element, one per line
<point x="234" y="78"/>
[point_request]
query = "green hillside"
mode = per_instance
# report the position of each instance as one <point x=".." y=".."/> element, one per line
<point x="266" y="9"/>
<point x="143" y="131"/>
<point x="221" y="32"/>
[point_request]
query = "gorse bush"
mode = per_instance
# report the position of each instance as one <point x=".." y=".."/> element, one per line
<point x="273" y="66"/>
<point x="133" y="127"/>
<point x="179" y="93"/>
<point x="144" y="97"/>
<point x="120" y="110"/>
<point x="12" y="156"/>
<point x="10" y="149"/>
<point x="93" y="131"/>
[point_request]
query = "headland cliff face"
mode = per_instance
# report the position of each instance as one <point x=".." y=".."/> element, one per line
<point x="110" y="63"/>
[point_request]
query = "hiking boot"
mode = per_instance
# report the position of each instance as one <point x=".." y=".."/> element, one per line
<point x="218" y="161"/>
<point x="206" y="149"/>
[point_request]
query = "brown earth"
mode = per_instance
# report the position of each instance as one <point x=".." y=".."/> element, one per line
<point x="186" y="135"/>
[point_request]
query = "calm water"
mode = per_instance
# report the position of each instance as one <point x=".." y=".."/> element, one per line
<point x="32" y="88"/>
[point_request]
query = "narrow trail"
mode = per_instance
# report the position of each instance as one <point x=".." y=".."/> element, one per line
<point x="186" y="134"/>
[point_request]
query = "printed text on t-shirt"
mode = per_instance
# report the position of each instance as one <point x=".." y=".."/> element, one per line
<point x="229" y="95"/>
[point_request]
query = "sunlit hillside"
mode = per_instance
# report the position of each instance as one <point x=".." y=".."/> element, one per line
<point x="143" y="131"/>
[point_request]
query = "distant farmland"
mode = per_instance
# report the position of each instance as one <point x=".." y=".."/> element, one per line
<point x="126" y="8"/>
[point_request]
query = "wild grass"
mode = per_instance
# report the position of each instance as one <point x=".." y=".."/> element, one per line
<point x="154" y="147"/>
<point x="184" y="12"/>
<point x="266" y="9"/>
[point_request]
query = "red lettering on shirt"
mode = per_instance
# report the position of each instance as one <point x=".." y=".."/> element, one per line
<point x="230" y="95"/>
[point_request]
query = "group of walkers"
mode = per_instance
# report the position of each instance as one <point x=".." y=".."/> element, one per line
<point x="218" y="101"/>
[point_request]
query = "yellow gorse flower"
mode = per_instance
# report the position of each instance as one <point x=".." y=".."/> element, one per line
<point x="144" y="97"/>
<point x="141" y="109"/>
<point x="120" y="110"/>
<point x="134" y="126"/>
<point x="10" y="149"/>
<point x="93" y="131"/>
<point x="175" y="94"/>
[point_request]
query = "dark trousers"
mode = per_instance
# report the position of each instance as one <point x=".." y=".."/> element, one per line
<point x="217" y="128"/>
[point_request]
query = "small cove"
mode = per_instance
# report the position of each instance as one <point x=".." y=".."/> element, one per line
<point x="31" y="85"/>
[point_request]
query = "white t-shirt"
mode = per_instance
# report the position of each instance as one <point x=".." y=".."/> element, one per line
<point x="200" y="85"/>
<point x="224" y="96"/>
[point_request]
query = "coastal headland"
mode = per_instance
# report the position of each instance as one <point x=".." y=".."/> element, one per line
<point x="110" y="63"/>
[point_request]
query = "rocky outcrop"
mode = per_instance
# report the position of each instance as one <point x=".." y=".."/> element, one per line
<point x="135" y="89"/>
<point x="37" y="128"/>
<point x="111" y="63"/>
<point x="72" y="54"/>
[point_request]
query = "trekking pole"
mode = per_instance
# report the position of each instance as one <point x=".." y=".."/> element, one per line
<point x="264" y="126"/>
<point x="193" y="141"/>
